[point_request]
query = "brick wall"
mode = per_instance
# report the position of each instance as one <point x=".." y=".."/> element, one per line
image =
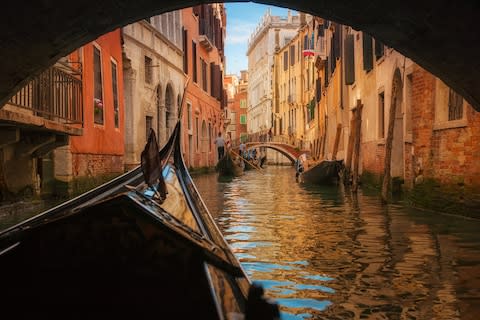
<point x="91" y="165"/>
<point x="446" y="162"/>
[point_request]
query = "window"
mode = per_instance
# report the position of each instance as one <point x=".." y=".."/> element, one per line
<point x="148" y="70"/>
<point x="243" y="137"/>
<point x="148" y="126"/>
<point x="455" y="106"/>
<point x="381" y="115"/>
<point x="367" y="52"/>
<point x="212" y="80"/>
<point x="115" y="94"/>
<point x="292" y="55"/>
<point x="285" y="60"/>
<point x="189" y="116"/>
<point x="209" y="136"/>
<point x="243" y="103"/>
<point x="185" y="51"/>
<point x="196" y="133"/>
<point x="449" y="108"/>
<point x="203" y="66"/>
<point x="98" y="104"/>
<point x="243" y="119"/>
<point x="349" y="60"/>
<point x="379" y="49"/>
<point x="194" y="61"/>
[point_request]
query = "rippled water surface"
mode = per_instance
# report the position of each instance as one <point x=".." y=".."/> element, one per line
<point x="323" y="254"/>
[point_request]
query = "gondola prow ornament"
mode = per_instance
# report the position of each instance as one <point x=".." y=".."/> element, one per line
<point x="152" y="167"/>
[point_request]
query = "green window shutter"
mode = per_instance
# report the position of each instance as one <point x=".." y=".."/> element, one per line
<point x="243" y="103"/>
<point x="367" y="52"/>
<point x="349" y="60"/>
<point x="243" y="119"/>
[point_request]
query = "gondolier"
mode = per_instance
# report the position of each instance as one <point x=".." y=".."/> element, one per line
<point x="220" y="143"/>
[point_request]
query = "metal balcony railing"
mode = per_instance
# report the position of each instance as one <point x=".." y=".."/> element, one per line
<point x="54" y="95"/>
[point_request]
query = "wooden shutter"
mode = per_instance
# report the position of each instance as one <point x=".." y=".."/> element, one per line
<point x="379" y="49"/>
<point x="367" y="52"/>
<point x="185" y="50"/>
<point x="285" y="60"/>
<point x="292" y="55"/>
<point x="337" y="38"/>
<point x="213" y="80"/>
<point x="318" y="89"/>
<point x="349" y="59"/>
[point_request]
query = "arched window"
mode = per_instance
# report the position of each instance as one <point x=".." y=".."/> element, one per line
<point x="209" y="137"/>
<point x="204" y="136"/>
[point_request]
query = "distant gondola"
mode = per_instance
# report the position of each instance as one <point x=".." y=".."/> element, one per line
<point x="326" y="172"/>
<point x="122" y="251"/>
<point x="230" y="165"/>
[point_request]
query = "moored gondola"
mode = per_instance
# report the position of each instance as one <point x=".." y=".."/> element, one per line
<point x="124" y="250"/>
<point x="326" y="172"/>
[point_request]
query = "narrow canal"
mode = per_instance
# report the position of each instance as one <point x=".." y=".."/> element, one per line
<point x="323" y="254"/>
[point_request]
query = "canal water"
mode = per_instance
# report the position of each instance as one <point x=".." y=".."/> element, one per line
<point x="322" y="253"/>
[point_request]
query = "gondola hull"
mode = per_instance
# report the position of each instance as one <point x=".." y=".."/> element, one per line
<point x="229" y="166"/>
<point x="119" y="252"/>
<point x="326" y="172"/>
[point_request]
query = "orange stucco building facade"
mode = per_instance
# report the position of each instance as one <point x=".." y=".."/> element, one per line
<point x="97" y="155"/>
<point x="203" y="39"/>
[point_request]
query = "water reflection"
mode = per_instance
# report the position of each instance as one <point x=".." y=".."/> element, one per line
<point x="325" y="254"/>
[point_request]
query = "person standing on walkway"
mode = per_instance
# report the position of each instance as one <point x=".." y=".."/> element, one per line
<point x="220" y="143"/>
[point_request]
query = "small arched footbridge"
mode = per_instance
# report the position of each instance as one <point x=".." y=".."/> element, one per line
<point x="291" y="152"/>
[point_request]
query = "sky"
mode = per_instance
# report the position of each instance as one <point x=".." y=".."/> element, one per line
<point x="242" y="19"/>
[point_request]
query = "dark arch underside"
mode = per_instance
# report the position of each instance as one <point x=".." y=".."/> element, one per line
<point x="441" y="36"/>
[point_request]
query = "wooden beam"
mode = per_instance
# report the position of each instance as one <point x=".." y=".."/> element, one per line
<point x="337" y="141"/>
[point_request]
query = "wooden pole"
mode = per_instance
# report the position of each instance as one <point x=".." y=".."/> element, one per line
<point x="356" y="151"/>
<point x="337" y="141"/>
<point x="389" y="142"/>
<point x="351" y="139"/>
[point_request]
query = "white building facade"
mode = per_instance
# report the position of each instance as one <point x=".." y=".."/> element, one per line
<point x="271" y="32"/>
<point x="153" y="80"/>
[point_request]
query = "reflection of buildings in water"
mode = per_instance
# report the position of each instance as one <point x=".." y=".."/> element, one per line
<point x="402" y="272"/>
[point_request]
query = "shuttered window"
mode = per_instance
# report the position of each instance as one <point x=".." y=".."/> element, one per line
<point x="349" y="59"/>
<point x="379" y="49"/>
<point x="115" y="94"/>
<point x="213" y="80"/>
<point x="318" y="89"/>
<point x="455" y="106"/>
<point x="292" y="55"/>
<point x="194" y="61"/>
<point x="367" y="52"/>
<point x="203" y="66"/>
<point x="243" y="119"/>
<point x="285" y="60"/>
<point x="98" y="104"/>
<point x="185" y="50"/>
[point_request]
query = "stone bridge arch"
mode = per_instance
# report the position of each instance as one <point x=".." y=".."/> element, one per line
<point x="287" y="150"/>
<point x="439" y="36"/>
